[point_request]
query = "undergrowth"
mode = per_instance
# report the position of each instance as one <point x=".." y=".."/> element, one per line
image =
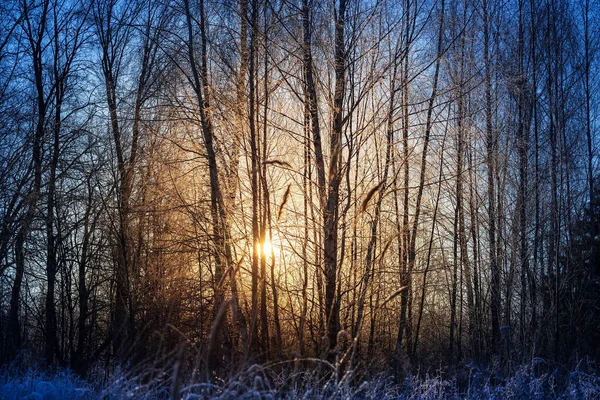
<point x="305" y="379"/>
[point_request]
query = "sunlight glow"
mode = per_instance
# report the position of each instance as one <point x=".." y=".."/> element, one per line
<point x="267" y="248"/>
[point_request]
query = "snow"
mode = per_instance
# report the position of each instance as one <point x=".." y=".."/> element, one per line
<point x="33" y="385"/>
<point x="253" y="384"/>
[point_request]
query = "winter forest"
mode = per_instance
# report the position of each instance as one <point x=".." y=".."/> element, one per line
<point x="299" y="199"/>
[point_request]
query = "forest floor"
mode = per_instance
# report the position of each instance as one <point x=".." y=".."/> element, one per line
<point x="261" y="383"/>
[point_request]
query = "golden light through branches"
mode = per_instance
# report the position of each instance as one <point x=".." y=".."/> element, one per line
<point x="267" y="248"/>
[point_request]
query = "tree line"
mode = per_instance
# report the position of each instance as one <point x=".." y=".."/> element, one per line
<point x="385" y="185"/>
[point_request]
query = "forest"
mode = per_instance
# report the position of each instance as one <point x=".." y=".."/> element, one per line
<point x="299" y="199"/>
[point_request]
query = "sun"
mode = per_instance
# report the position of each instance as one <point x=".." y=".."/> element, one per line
<point x="267" y="248"/>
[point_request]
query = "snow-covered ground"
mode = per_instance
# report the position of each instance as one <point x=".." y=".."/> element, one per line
<point x="259" y="383"/>
<point x="33" y="384"/>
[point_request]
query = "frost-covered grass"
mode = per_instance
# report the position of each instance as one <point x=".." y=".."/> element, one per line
<point x="257" y="382"/>
<point x="34" y="385"/>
